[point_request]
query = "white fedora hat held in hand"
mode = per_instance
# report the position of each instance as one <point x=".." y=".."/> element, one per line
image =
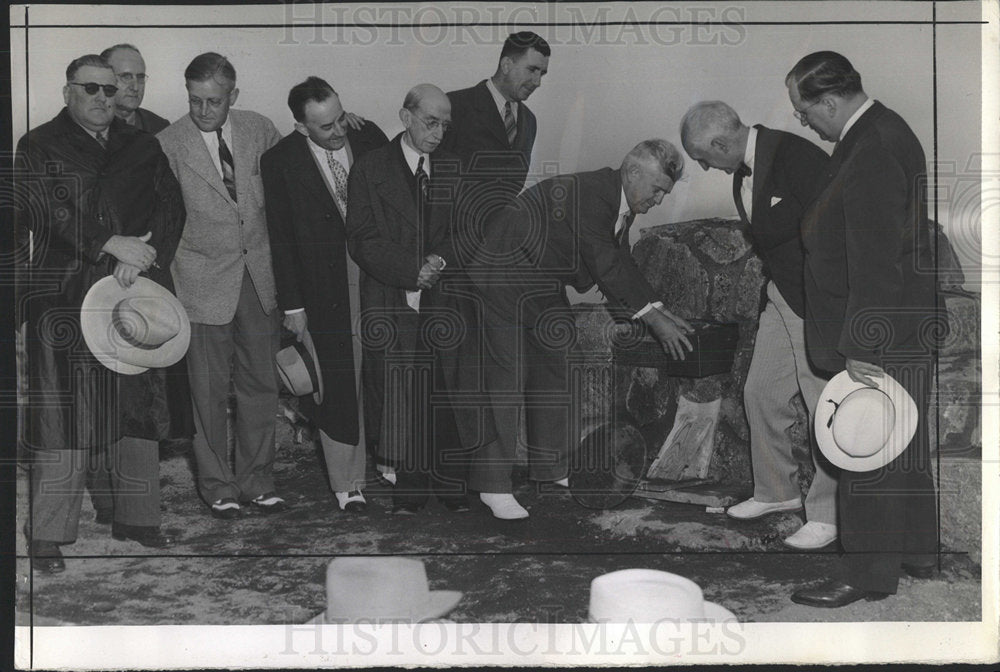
<point x="382" y="588"/>
<point x="134" y="329"/>
<point x="650" y="596"/>
<point x="298" y="368"/>
<point x="861" y="428"/>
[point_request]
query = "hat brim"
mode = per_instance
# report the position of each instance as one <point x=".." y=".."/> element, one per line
<point x="439" y="603"/>
<point x="903" y="429"/>
<point x="310" y="347"/>
<point x="95" y="322"/>
<point x="716" y="612"/>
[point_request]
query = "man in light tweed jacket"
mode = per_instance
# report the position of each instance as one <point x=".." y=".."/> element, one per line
<point x="223" y="275"/>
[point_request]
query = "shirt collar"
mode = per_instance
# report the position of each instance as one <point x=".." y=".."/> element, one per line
<point x="854" y="117"/>
<point x="412" y="156"/>
<point x="227" y="131"/>
<point x="751" y="150"/>
<point x="498" y="98"/>
<point x="623" y="208"/>
<point x="320" y="152"/>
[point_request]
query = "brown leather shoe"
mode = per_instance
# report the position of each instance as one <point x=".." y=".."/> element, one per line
<point x="46" y="557"/>
<point x="833" y="594"/>
<point x="151" y="537"/>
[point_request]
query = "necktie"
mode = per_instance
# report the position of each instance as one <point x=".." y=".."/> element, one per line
<point x="623" y="234"/>
<point x="421" y="178"/>
<point x="741" y="172"/>
<point x="339" y="181"/>
<point x="226" y="160"/>
<point x="509" y="123"/>
<point x="102" y="138"/>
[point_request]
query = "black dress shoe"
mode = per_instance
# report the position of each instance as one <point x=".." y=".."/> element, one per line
<point x="456" y="504"/>
<point x="104" y="516"/>
<point x="920" y="571"/>
<point x="833" y="594"/>
<point x="150" y="537"/>
<point x="406" y="509"/>
<point x="46" y="557"/>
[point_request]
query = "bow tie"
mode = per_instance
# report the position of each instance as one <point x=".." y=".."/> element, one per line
<point x="744" y="170"/>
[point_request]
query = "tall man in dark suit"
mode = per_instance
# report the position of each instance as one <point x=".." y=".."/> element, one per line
<point x="112" y="208"/>
<point x="570" y="230"/>
<point x="493" y="132"/>
<point x="130" y="70"/>
<point x="776" y="175"/>
<point x="226" y="283"/>
<point x="305" y="188"/>
<point x="398" y="227"/>
<point x="870" y="304"/>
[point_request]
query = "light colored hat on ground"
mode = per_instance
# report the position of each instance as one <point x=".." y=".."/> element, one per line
<point x="861" y="428"/>
<point x="650" y="596"/>
<point x="298" y="368"/>
<point x="135" y="329"/>
<point x="382" y="588"/>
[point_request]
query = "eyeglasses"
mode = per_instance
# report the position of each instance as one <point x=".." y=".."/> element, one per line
<point x="128" y="78"/>
<point x="91" y="88"/>
<point x="801" y="114"/>
<point x="434" y="124"/>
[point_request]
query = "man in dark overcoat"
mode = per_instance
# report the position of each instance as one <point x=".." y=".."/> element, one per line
<point x="305" y="193"/>
<point x="103" y="201"/>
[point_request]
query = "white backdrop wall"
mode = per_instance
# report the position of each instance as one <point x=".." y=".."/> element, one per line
<point x="608" y="86"/>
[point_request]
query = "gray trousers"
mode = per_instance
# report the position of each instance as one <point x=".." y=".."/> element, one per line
<point x="57" y="485"/>
<point x="243" y="351"/>
<point x="778" y="370"/>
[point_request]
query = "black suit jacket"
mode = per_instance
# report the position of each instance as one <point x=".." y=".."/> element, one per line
<point x="390" y="231"/>
<point x="149" y="121"/>
<point x="309" y="255"/>
<point x="788" y="175"/>
<point x="563" y="229"/>
<point x="869" y="275"/>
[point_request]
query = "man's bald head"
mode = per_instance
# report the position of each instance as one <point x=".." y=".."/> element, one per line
<point x="426" y="114"/>
<point x="714" y="136"/>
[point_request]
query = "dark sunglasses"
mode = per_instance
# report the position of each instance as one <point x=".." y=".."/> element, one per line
<point x="92" y="88"/>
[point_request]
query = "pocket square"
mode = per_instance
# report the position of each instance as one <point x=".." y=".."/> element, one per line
<point x="775" y="200"/>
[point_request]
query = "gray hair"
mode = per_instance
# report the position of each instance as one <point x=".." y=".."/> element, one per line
<point x="708" y="119"/>
<point x="670" y="161"/>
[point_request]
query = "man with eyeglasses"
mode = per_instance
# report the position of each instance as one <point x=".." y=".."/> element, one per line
<point x="226" y="283"/>
<point x="569" y="230"/>
<point x="401" y="198"/>
<point x="104" y="203"/>
<point x="130" y="70"/>
<point x="776" y="175"/>
<point x="870" y="311"/>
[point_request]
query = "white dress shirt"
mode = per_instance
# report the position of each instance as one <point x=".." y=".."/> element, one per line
<point x="212" y="142"/>
<point x="623" y="212"/>
<point x="854" y="117"/>
<point x="499" y="100"/>
<point x="412" y="157"/>
<point x="746" y="189"/>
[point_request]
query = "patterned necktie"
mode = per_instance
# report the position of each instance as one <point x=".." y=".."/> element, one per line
<point x="509" y="123"/>
<point x="102" y="138"/>
<point x="422" y="178"/>
<point x="339" y="181"/>
<point x="623" y="234"/>
<point x="226" y="160"/>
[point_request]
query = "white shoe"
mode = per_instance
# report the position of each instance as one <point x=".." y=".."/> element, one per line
<point x="751" y="508"/>
<point x="354" y="498"/>
<point x="503" y="505"/>
<point x="813" y="535"/>
<point x="387" y="473"/>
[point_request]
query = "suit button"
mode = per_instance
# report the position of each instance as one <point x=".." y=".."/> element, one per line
<point x="244" y="251"/>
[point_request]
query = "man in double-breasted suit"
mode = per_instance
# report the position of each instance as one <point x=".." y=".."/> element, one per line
<point x="398" y="227"/>
<point x="569" y="230"/>
<point x="776" y="175"/>
<point x="870" y="310"/>
<point x="305" y="185"/>
<point x="224" y="279"/>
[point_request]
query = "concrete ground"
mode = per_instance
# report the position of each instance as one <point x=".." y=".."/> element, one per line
<point x="271" y="569"/>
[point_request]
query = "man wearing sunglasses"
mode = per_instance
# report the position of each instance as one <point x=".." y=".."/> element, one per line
<point x="104" y="203"/>
<point x="130" y="71"/>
